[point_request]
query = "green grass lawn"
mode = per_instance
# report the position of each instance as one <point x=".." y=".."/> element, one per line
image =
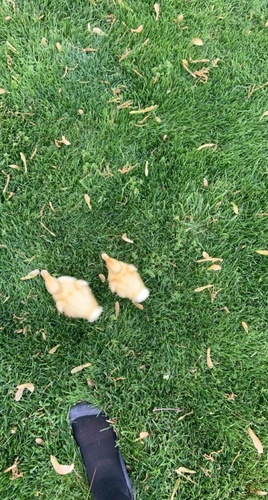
<point x="155" y="358"/>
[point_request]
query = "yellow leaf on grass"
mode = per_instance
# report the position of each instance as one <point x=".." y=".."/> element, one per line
<point x="125" y="55"/>
<point x="210" y="456"/>
<point x="197" y="41"/>
<point x="98" y="32"/>
<point x="80" y="368"/>
<point x="33" y="154"/>
<point x="87" y="200"/>
<point x="65" y="141"/>
<point x="54" y="349"/>
<point x="184" y="470"/>
<point x="88" y="49"/>
<point x="264" y="114"/>
<point x="14" y="166"/>
<point x="202" y="74"/>
<point x="23" y="158"/>
<point x="142" y="435"/>
<point x="126" y="168"/>
<point x="208" y="145"/>
<point x="43" y="42"/>
<point x="61" y="469"/>
<point x="175" y="489"/>
<point x="245" y="326"/>
<point x="186" y="66"/>
<point x="2" y="91"/>
<point x="157" y="11"/>
<point x="31" y="275"/>
<point x="146" y="170"/>
<point x="196" y="61"/>
<point x="214" y="267"/>
<point x="262" y="252"/>
<point x="230" y="397"/>
<point x="137" y="30"/>
<point x="40" y="441"/>
<point x="62" y="141"/>
<point x="205" y="182"/>
<point x="7" y="182"/>
<point x="209" y="362"/>
<point x="266" y="24"/>
<point x="207" y="258"/>
<point x="20" y="388"/>
<point x="117" y="309"/>
<point x="125" y="238"/>
<point x="206" y="471"/>
<point x="235" y="208"/>
<point x="47" y="229"/>
<point x="144" y="110"/>
<point x="257" y="443"/>
<point x="179" y="19"/>
<point x="58" y="47"/>
<point x="124" y="105"/>
<point x="260" y="493"/>
<point x="185" y="415"/>
<point x="201" y="288"/>
<point x="14" y="470"/>
<point x="51" y="207"/>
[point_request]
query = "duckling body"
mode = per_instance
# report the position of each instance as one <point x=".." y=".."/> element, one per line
<point x="72" y="297"/>
<point x="125" y="280"/>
